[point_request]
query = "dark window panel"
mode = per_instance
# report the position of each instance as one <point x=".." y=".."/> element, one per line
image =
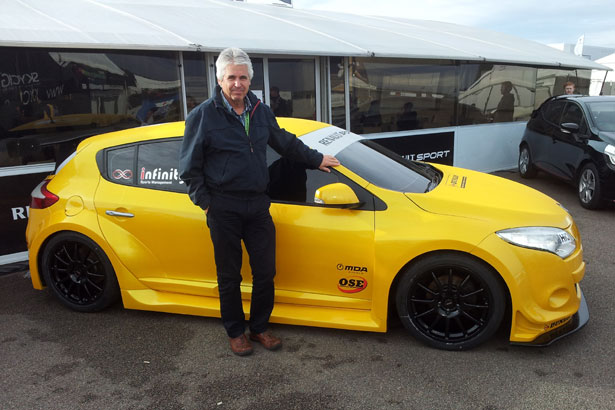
<point x="398" y="95"/>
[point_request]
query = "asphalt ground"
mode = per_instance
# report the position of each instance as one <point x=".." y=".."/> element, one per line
<point x="54" y="358"/>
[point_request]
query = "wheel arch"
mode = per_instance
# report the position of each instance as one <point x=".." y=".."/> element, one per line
<point x="586" y="160"/>
<point x="92" y="236"/>
<point x="392" y="309"/>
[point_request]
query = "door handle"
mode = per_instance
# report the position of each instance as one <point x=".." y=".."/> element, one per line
<point x="124" y="214"/>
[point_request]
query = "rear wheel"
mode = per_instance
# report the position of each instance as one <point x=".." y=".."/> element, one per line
<point x="526" y="167"/>
<point x="79" y="273"/>
<point x="450" y="301"/>
<point x="589" y="187"/>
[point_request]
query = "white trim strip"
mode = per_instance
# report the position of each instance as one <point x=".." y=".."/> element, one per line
<point x="13" y="257"/>
<point x="329" y="140"/>
<point x="27" y="169"/>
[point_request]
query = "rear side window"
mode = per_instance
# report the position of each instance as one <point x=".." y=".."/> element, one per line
<point x="152" y="165"/>
<point x="120" y="165"/>
<point x="157" y="166"/>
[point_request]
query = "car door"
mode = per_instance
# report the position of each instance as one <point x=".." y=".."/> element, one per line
<point x="150" y="222"/>
<point x="568" y="147"/>
<point x="542" y="134"/>
<point x="325" y="255"/>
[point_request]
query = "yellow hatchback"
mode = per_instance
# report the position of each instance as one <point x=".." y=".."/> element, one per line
<point x="449" y="250"/>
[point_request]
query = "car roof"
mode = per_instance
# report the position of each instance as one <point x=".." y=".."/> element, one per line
<point x="296" y="126"/>
<point x="586" y="98"/>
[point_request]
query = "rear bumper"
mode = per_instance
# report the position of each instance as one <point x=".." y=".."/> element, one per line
<point x="578" y="320"/>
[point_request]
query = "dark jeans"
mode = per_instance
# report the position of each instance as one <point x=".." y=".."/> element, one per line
<point x="231" y="219"/>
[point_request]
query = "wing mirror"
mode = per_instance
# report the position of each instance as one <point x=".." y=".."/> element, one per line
<point x="573" y="128"/>
<point x="570" y="127"/>
<point x="337" y="195"/>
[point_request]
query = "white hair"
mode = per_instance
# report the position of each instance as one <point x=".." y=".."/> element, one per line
<point x="234" y="56"/>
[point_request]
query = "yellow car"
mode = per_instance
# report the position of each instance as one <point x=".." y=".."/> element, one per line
<point x="450" y="251"/>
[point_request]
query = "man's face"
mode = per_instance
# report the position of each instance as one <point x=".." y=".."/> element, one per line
<point x="569" y="89"/>
<point x="236" y="82"/>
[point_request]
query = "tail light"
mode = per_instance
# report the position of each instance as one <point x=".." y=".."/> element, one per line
<point x="41" y="197"/>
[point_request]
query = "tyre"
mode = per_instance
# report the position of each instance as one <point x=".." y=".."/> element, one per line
<point x="450" y="301"/>
<point x="589" y="188"/>
<point x="526" y="167"/>
<point x="79" y="273"/>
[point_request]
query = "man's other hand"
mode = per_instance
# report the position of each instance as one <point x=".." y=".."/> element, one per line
<point x="328" y="161"/>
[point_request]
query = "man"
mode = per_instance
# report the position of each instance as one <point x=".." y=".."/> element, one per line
<point x="569" y="88"/>
<point x="279" y="106"/>
<point x="506" y="107"/>
<point x="223" y="162"/>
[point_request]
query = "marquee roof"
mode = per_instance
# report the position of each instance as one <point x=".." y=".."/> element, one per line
<point x="211" y="25"/>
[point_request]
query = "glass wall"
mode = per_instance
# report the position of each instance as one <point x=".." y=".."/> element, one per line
<point x="551" y="82"/>
<point x="396" y="95"/>
<point x="51" y="100"/>
<point x="195" y="78"/>
<point x="257" y="85"/>
<point x="338" y="91"/>
<point x="292" y="87"/>
<point x="495" y="93"/>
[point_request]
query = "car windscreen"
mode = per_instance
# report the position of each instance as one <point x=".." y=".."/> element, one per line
<point x="388" y="170"/>
<point x="603" y="115"/>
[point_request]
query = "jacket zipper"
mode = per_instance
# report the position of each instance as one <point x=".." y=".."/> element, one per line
<point x="248" y="118"/>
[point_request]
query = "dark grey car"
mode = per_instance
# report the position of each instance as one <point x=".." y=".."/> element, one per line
<point x="573" y="137"/>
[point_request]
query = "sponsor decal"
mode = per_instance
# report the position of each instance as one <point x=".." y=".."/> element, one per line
<point x="122" y="174"/>
<point x="557" y="323"/>
<point x="352" y="284"/>
<point x="341" y="266"/>
<point x="332" y="137"/>
<point x="455" y="181"/>
<point x="158" y="176"/>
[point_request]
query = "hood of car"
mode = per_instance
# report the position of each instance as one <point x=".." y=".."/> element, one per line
<point x="608" y="137"/>
<point x="504" y="203"/>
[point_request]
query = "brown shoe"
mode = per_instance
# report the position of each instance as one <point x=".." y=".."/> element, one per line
<point x="240" y="345"/>
<point x="269" y="341"/>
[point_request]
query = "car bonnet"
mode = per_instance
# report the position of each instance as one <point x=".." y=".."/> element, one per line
<point x="506" y="203"/>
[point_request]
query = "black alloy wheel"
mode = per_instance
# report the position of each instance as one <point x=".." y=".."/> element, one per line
<point x="450" y="301"/>
<point x="526" y="167"/>
<point x="79" y="273"/>
<point x="589" y="187"/>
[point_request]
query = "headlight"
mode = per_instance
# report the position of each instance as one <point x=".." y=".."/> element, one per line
<point x="552" y="240"/>
<point x="610" y="152"/>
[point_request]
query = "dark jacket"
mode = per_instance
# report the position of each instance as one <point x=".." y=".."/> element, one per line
<point x="218" y="157"/>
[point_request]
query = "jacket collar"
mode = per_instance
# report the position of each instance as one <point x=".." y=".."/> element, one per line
<point x="220" y="104"/>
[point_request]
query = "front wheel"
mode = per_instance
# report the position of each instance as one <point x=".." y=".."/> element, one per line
<point x="589" y="187"/>
<point x="79" y="273"/>
<point x="450" y="301"/>
<point x="526" y="167"/>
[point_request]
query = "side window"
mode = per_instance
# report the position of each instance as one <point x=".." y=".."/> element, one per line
<point x="157" y="166"/>
<point x="574" y="113"/>
<point x="120" y="165"/>
<point x="294" y="182"/>
<point x="552" y="112"/>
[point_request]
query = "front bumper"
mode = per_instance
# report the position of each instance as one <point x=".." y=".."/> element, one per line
<point x="578" y="320"/>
